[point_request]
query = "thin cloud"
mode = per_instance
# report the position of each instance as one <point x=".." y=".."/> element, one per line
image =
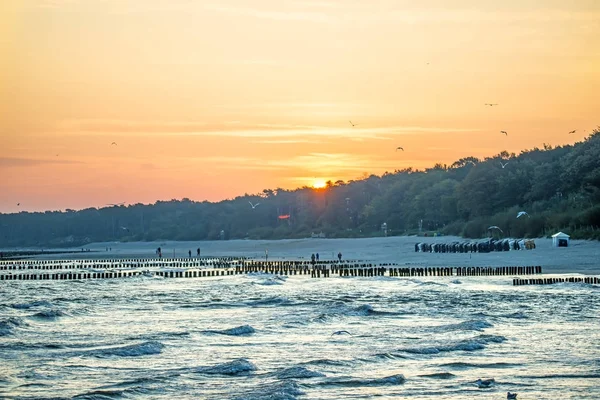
<point x="279" y="15"/>
<point x="287" y="141"/>
<point x="29" y="162"/>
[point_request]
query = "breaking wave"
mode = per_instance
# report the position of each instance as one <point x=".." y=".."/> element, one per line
<point x="49" y="314"/>
<point x="397" y="379"/>
<point x="477" y="343"/>
<point x="235" y="367"/>
<point x="134" y="350"/>
<point x="298" y="373"/>
<point x="25" y="306"/>
<point x="237" y="331"/>
<point x="8" y="325"/>
<point x="439" y="375"/>
<point x="287" y="390"/>
<point x="472" y="325"/>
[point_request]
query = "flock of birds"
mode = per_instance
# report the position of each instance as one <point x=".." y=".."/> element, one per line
<point x="397" y="148"/>
<point x="503" y="132"/>
<point x="519" y="215"/>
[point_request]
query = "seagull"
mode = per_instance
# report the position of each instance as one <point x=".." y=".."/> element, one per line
<point x="511" y="396"/>
<point x="113" y="143"/>
<point x="521" y="213"/>
<point x="484" y="383"/>
<point x="569" y="134"/>
<point x="495" y="227"/>
<point x="399" y="148"/>
<point x="114" y="205"/>
<point x="506" y="133"/>
<point x="491" y="104"/>
<point x="353" y="125"/>
<point x="340" y="333"/>
<point x="125" y="228"/>
<point x="253" y="205"/>
<point x="503" y="165"/>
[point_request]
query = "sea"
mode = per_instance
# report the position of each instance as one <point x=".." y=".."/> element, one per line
<point x="261" y="336"/>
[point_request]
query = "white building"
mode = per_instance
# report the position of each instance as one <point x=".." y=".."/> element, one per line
<point x="560" y="240"/>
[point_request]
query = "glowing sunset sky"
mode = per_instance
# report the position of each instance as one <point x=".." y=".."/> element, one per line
<point x="209" y="99"/>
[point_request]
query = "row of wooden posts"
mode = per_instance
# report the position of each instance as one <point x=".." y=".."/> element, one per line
<point x="314" y="272"/>
<point x="283" y="267"/>
<point x="318" y="271"/>
<point x="592" y="280"/>
<point x="162" y="263"/>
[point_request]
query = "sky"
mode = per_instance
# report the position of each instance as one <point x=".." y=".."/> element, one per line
<point x="211" y="99"/>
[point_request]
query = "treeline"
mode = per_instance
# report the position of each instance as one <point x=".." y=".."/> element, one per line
<point x="558" y="187"/>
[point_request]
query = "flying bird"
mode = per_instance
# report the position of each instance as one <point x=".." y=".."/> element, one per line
<point x="503" y="165"/>
<point x="18" y="204"/>
<point x="511" y="396"/>
<point x="491" y="104"/>
<point x="495" y="227"/>
<point x="353" y="125"/>
<point x="399" y="148"/>
<point x="506" y="133"/>
<point x="470" y="162"/>
<point x="114" y="205"/>
<point x="521" y="213"/>
<point x="113" y="143"/>
<point x="253" y="205"/>
<point x="125" y="228"/>
<point x="573" y="131"/>
<point x="341" y="332"/>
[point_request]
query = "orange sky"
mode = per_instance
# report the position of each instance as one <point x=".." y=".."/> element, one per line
<point x="210" y="99"/>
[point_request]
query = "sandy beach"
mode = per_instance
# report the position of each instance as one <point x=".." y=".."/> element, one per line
<point x="581" y="257"/>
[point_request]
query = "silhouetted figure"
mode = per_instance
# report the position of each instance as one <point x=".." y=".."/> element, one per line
<point x="312" y="258"/>
<point x="317" y="256"/>
<point x="190" y="253"/>
<point x="198" y="251"/>
<point x="340" y="256"/>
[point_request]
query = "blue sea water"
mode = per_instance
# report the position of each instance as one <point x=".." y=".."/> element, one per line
<point x="260" y="337"/>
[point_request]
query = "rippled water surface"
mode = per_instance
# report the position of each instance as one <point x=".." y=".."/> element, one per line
<point x="264" y="337"/>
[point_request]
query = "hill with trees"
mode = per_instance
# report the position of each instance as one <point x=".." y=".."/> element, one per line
<point x="558" y="187"/>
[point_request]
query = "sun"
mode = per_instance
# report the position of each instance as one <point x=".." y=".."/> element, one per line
<point x="319" y="183"/>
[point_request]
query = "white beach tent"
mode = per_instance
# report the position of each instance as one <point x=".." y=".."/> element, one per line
<point x="560" y="240"/>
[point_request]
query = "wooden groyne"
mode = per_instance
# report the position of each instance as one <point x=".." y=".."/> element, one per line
<point x="592" y="280"/>
<point x="227" y="266"/>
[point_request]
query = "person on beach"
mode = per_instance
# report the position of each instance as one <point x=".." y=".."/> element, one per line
<point x="312" y="258"/>
<point x="340" y="256"/>
<point x="189" y="253"/>
<point x="198" y="251"/>
<point x="317" y="257"/>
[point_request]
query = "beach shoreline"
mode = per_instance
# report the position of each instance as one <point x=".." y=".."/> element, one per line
<point x="581" y="257"/>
